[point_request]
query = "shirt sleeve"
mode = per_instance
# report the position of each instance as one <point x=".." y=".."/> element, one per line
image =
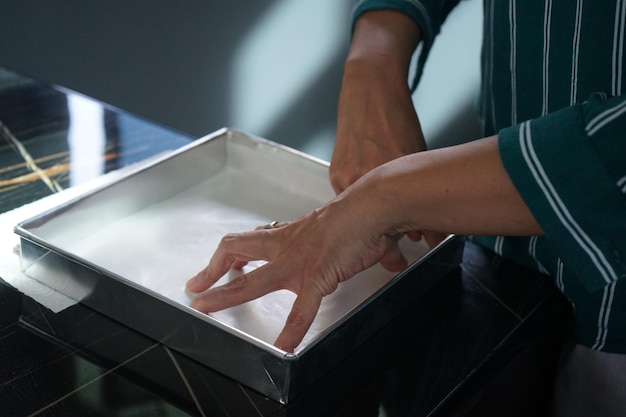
<point x="570" y="169"/>
<point x="429" y="15"/>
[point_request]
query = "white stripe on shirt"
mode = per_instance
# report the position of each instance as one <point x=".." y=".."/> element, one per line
<point x="605" y="117"/>
<point x="618" y="47"/>
<point x="532" y="251"/>
<point x="605" y="314"/>
<point x="621" y="183"/>
<point x="560" y="209"/>
<point x="547" y="21"/>
<point x="575" y="52"/>
<point x="498" y="245"/>
<point x="559" y="275"/>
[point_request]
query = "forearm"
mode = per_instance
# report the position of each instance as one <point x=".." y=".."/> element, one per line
<point x="384" y="37"/>
<point x="376" y="119"/>
<point x="380" y="53"/>
<point x="462" y="189"/>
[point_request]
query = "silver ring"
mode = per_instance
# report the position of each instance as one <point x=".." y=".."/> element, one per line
<point x="271" y="225"/>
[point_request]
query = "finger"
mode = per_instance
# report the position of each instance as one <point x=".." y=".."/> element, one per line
<point x="338" y="187"/>
<point x="336" y="177"/>
<point x="245" y="287"/>
<point x="341" y="180"/>
<point x="239" y="264"/>
<point x="434" y="238"/>
<point x="394" y="260"/>
<point x="338" y="184"/>
<point x="234" y="250"/>
<point x="302" y="314"/>
<point x="217" y="267"/>
<point x="414" y="235"/>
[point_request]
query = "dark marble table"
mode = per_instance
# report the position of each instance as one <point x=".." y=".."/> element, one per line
<point x="483" y="341"/>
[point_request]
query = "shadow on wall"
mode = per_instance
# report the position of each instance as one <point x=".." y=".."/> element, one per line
<point x="287" y="73"/>
<point x="270" y="68"/>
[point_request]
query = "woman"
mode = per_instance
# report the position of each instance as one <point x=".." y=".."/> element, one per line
<point x="545" y="187"/>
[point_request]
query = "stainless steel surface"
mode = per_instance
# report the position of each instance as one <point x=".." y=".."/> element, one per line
<point x="127" y="249"/>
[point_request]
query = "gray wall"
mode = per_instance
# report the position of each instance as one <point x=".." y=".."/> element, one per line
<point x="270" y="68"/>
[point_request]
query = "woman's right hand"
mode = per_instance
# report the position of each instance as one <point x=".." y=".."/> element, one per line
<point x="376" y="123"/>
<point x="376" y="120"/>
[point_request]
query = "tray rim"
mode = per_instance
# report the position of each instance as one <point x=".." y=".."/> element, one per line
<point x="22" y="230"/>
<point x="226" y="134"/>
<point x="288" y="358"/>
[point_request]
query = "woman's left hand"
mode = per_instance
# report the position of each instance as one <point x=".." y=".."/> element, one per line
<point x="309" y="257"/>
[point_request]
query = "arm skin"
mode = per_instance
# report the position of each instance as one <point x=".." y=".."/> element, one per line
<point x="462" y="189"/>
<point x="376" y="120"/>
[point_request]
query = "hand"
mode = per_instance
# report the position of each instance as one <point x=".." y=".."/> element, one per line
<point x="376" y="124"/>
<point x="377" y="121"/>
<point x="374" y="127"/>
<point x="309" y="257"/>
<point x="432" y="239"/>
<point x="312" y="255"/>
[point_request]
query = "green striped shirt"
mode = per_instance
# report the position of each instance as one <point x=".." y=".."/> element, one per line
<point x="553" y="72"/>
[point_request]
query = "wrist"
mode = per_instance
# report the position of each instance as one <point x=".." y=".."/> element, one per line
<point x="378" y="195"/>
<point x="384" y="37"/>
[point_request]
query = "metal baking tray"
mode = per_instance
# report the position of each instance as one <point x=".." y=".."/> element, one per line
<point x="126" y="250"/>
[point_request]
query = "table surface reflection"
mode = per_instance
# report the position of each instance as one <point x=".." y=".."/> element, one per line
<point x="482" y="341"/>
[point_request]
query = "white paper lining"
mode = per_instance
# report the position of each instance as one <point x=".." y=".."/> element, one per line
<point x="10" y="270"/>
<point x="163" y="245"/>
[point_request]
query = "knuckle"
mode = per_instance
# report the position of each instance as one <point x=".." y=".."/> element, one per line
<point x="296" y="318"/>
<point x="229" y="238"/>
<point x="237" y="283"/>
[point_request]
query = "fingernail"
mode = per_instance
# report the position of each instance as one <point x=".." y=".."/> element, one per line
<point x="189" y="285"/>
